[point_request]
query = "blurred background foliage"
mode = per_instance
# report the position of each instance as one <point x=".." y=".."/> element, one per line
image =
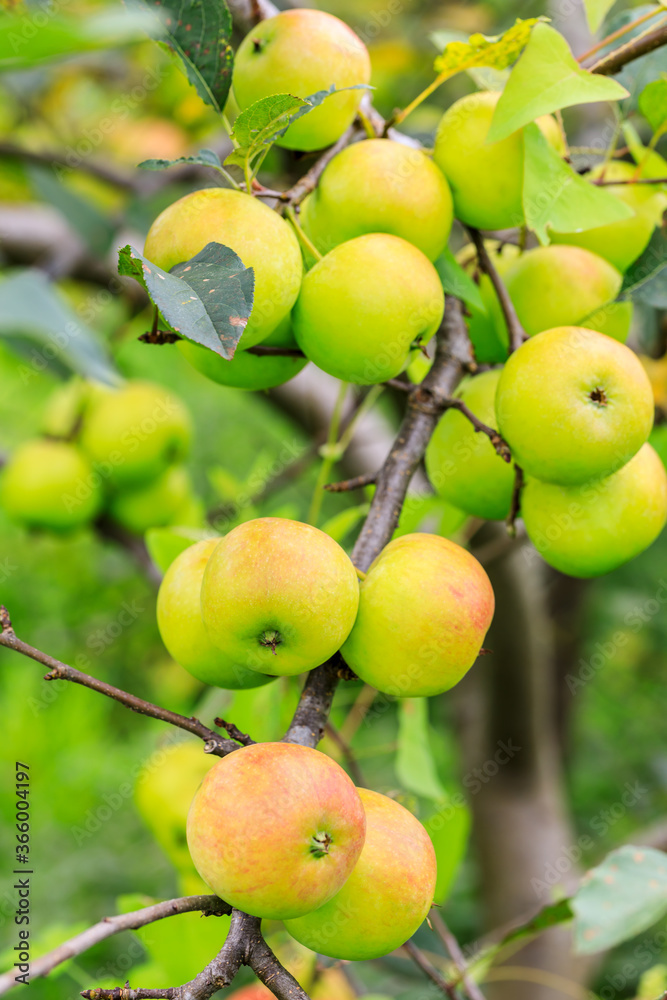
<point x="86" y="600"/>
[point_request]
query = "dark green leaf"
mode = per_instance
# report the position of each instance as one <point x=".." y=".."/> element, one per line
<point x="205" y="157"/>
<point x="550" y="916"/>
<point x="207" y="299"/>
<point x="646" y="279"/>
<point x="653" y="104"/>
<point x="199" y="31"/>
<point x="449" y="830"/>
<point x="456" y="281"/>
<point x="620" y="898"/>
<point x="95" y="228"/>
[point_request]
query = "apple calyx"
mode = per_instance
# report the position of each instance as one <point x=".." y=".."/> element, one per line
<point x="271" y="638"/>
<point x="319" y="844"/>
<point x="257" y="45"/>
<point x="598" y="396"/>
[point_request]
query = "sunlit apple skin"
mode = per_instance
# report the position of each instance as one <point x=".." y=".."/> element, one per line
<point x="279" y="596"/>
<point x="300" y="52"/>
<point x="462" y="464"/>
<point x="182" y="629"/>
<point x="573" y="405"/>
<point x="485" y="178"/>
<point x="380" y="186"/>
<point x="424" y="609"/>
<point x="560" y="286"/>
<point x="133" y="434"/>
<point x="259" y="236"/>
<point x="362" y="306"/>
<point x="275" y="829"/>
<point x="154" y="504"/>
<point x="621" y="242"/>
<point x="248" y="371"/>
<point x="591" y="529"/>
<point x="387" y="896"/>
<point x="50" y="485"/>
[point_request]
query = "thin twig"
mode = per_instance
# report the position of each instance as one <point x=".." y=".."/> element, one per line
<point x="308" y="182"/>
<point x="615" y="35"/>
<point x="515" y="506"/>
<point x="235" y="733"/>
<point x="501" y="446"/>
<point x="453" y="947"/>
<point x="422" y="962"/>
<point x="348" y="754"/>
<point x="647" y="42"/>
<point x="268" y="350"/>
<point x="356" y="483"/>
<point x="517" y="333"/>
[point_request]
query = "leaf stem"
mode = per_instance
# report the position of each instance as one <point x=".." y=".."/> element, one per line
<point x="330" y="455"/>
<point x="402" y="115"/>
<point x="301" y="236"/>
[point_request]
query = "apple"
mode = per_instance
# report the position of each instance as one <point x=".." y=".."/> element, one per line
<point x="424" y="609"/>
<point x="182" y="629"/>
<point x="380" y="186"/>
<point x="591" y="528"/>
<point x="363" y="305"/>
<point x="163" y="793"/>
<point x="133" y="434"/>
<point x="275" y="829"/>
<point x="559" y="286"/>
<point x="462" y="464"/>
<point x="387" y="896"/>
<point x="278" y="596"/>
<point x="154" y="504"/>
<point x="50" y="485"/>
<point x="248" y="371"/>
<point x="301" y="52"/>
<point x="573" y="405"/>
<point x="259" y="236"/>
<point x="621" y="242"/>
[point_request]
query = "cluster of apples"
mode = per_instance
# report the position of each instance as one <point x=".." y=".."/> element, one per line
<point x="108" y="450"/>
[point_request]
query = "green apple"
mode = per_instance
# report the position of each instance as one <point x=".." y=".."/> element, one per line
<point x="301" y="52"/>
<point x="133" y="434"/>
<point x="424" y="609"/>
<point x="180" y="623"/>
<point x="259" y="236"/>
<point x="364" y="304"/>
<point x="165" y="786"/>
<point x="573" y="405"/>
<point x="279" y="596"/>
<point x="50" y="485"/>
<point x="462" y="464"/>
<point x="387" y="896"/>
<point x="621" y="242"/>
<point x="248" y="371"/>
<point x="154" y="504"/>
<point x="275" y="829"/>
<point x="380" y="186"/>
<point x="559" y="286"/>
<point x="591" y="528"/>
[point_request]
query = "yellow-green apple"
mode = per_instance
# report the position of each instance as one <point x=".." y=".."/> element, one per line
<point x="163" y="794"/>
<point x="358" y="314"/>
<point x="592" y="528"/>
<point x="182" y="629"/>
<point x="133" y="434"/>
<point x="278" y="596"/>
<point x="424" y="609"/>
<point x="573" y="405"/>
<point x="259" y="236"/>
<point x="154" y="504"/>
<point x="621" y="242"/>
<point x="245" y="370"/>
<point x="560" y="286"/>
<point x="51" y="485"/>
<point x="307" y="824"/>
<point x="301" y="52"/>
<point x="462" y="464"/>
<point x="380" y="186"/>
<point x="387" y="896"/>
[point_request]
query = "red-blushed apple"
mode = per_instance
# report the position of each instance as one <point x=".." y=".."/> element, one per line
<point x="259" y="236"/>
<point x="591" y="528"/>
<point x="278" y="596"/>
<point x="573" y="405"/>
<point x="387" y="896"/>
<point x="301" y="52"/>
<point x="182" y="629"/>
<point x="424" y="609"/>
<point x="275" y="829"/>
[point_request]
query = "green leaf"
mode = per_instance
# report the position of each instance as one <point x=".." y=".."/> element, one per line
<point x="646" y="279"/>
<point x="165" y="544"/>
<point x="30" y="307"/>
<point x="484" y="77"/>
<point x="456" y="281"/>
<point x="653" y="165"/>
<point x="449" y="830"/>
<point x="496" y="51"/>
<point x="549" y="916"/>
<point x="555" y="197"/>
<point x="207" y="299"/>
<point x="341" y="524"/>
<point x="653" y="104"/>
<point x="620" y="898"/>
<point x="596" y="11"/>
<point x="547" y="77"/>
<point x="200" y="31"/>
<point x="95" y="228"/>
<point x="414" y="764"/>
<point x="205" y="158"/>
